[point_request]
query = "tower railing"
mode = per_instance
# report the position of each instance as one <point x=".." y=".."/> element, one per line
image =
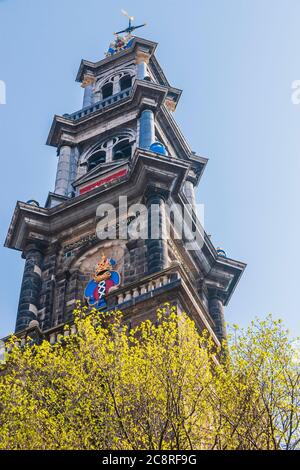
<point x="100" y="105"/>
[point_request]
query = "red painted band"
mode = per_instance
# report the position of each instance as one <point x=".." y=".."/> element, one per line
<point x="108" y="179"/>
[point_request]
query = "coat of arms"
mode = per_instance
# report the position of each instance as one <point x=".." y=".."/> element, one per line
<point x="105" y="278"/>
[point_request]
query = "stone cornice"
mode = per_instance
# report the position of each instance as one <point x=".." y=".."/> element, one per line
<point x="65" y="130"/>
<point x="169" y="173"/>
<point x="158" y="71"/>
<point x="40" y="225"/>
<point x="182" y="148"/>
<point x="30" y="223"/>
<point x="219" y="273"/>
<point x="123" y="57"/>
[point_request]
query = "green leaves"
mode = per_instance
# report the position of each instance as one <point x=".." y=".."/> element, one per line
<point x="160" y="385"/>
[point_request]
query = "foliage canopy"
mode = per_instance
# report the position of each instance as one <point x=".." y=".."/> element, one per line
<point x="158" y="386"/>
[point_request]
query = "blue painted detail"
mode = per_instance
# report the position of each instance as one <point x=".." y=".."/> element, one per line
<point x="158" y="147"/>
<point x="221" y="253"/>
<point x="120" y="44"/>
<point x="115" y="277"/>
<point x="129" y="44"/>
<point x="89" y="292"/>
<point x="33" y="202"/>
<point x="142" y="71"/>
<point x="147" y="131"/>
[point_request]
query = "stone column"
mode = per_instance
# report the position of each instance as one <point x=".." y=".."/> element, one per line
<point x="147" y="129"/>
<point x="216" y="311"/>
<point x="73" y="169"/>
<point x="64" y="170"/>
<point x="88" y="96"/>
<point x="88" y="85"/>
<point x="157" y="243"/>
<point x="31" y="287"/>
<point x="190" y="193"/>
<point x="116" y="86"/>
<point x="142" y="61"/>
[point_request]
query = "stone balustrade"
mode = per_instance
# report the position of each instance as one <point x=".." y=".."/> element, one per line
<point x="100" y="105"/>
<point x="56" y="336"/>
<point x="146" y="287"/>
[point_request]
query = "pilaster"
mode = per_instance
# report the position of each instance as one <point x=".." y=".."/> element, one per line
<point x="142" y="61"/>
<point x="157" y="244"/>
<point x="216" y="311"/>
<point x="190" y="193"/>
<point x="31" y="287"/>
<point x="147" y="129"/>
<point x="66" y="170"/>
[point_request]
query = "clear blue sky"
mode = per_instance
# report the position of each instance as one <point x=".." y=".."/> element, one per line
<point x="235" y="61"/>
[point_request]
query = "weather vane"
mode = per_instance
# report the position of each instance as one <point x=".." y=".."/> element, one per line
<point x="122" y="43"/>
<point x="130" y="27"/>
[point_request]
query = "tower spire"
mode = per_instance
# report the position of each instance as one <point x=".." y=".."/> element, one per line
<point x="123" y="145"/>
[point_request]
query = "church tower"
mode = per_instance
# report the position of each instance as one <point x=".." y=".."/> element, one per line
<point x="123" y="145"/>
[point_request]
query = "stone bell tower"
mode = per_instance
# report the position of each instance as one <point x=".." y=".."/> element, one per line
<point x="124" y="142"/>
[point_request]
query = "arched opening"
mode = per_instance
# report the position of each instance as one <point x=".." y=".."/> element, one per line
<point x="96" y="159"/>
<point x="107" y="90"/>
<point x="122" y="150"/>
<point x="125" y="82"/>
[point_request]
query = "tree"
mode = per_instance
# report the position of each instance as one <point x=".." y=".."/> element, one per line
<point x="158" y="386"/>
<point x="261" y="374"/>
